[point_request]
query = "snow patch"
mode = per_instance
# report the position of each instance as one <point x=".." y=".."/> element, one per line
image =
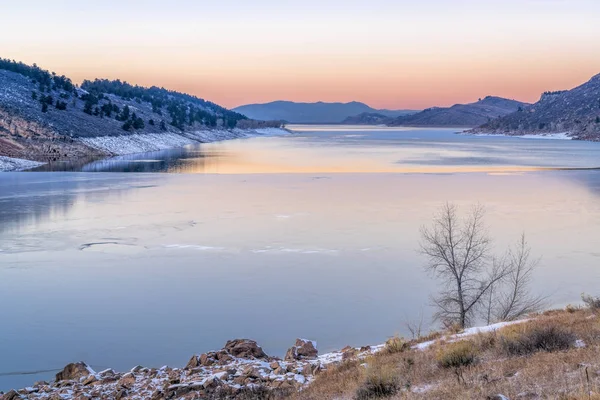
<point x="142" y="143"/>
<point x="16" y="164"/>
<point x="469" y="332"/>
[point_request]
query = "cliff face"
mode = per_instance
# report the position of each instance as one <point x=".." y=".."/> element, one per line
<point x="575" y="111"/>
<point x="461" y="115"/>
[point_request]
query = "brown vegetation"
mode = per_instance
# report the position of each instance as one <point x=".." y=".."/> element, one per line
<point x="555" y="355"/>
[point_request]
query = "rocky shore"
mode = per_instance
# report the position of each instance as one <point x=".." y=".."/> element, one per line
<point x="240" y="370"/>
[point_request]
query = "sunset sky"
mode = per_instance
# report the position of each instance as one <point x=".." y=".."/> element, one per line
<point x="388" y="54"/>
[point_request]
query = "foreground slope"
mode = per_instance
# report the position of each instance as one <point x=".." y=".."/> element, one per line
<point x="575" y="111"/>
<point x="311" y="113"/>
<point x="554" y="355"/>
<point x="461" y="115"/>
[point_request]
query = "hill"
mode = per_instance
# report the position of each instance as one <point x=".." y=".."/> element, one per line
<point x="311" y="113"/>
<point x="575" y="111"/>
<point x="461" y="115"/>
<point x="44" y="116"/>
<point x="368" y="119"/>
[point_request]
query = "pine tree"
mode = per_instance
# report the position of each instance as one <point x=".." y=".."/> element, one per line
<point x="44" y="107"/>
<point x="87" y="108"/>
<point x="127" y="125"/>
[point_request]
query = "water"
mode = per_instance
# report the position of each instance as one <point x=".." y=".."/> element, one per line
<point x="270" y="242"/>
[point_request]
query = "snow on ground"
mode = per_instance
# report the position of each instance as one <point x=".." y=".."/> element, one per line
<point x="470" y="332"/>
<point x="16" y="164"/>
<point x="141" y="143"/>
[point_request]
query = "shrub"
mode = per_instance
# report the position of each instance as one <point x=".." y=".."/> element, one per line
<point x="395" y="344"/>
<point x="591" y="302"/>
<point x="380" y="381"/>
<point x="456" y="355"/>
<point x="538" y="338"/>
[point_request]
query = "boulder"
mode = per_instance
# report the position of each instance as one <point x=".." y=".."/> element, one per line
<point x="12" y="395"/>
<point x="303" y="349"/>
<point x="126" y="382"/>
<point x="89" y="380"/>
<point x="205" y="360"/>
<point x="274" y="365"/>
<point x="74" y="371"/>
<point x="244" y="348"/>
<point x="193" y="363"/>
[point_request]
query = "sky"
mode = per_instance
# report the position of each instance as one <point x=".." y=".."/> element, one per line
<point x="388" y="54"/>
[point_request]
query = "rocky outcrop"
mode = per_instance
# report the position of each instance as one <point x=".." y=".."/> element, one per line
<point x="240" y="370"/>
<point x="74" y="371"/>
<point x="303" y="349"/>
<point x="245" y="348"/>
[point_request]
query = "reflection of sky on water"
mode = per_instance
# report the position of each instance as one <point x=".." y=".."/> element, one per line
<point x="125" y="269"/>
<point x="328" y="149"/>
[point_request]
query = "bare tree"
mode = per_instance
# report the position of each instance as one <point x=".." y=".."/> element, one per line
<point x="415" y="327"/>
<point x="459" y="254"/>
<point x="514" y="298"/>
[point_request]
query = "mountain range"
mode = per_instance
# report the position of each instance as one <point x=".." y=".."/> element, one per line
<point x="461" y="115"/>
<point x="575" y="111"/>
<point x="311" y="113"/>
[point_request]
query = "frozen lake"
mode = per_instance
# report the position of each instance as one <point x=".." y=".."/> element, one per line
<point x="309" y="235"/>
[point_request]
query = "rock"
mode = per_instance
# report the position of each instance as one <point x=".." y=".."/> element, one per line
<point x="307" y="370"/>
<point x="89" y="380"/>
<point x="239" y="380"/>
<point x="157" y="395"/>
<point x="40" y="383"/>
<point x="223" y="357"/>
<point x="12" y="395"/>
<point x="121" y="394"/>
<point x="193" y="363"/>
<point x="211" y="383"/>
<point x="274" y="365"/>
<point x="365" y="348"/>
<point x="205" y="360"/>
<point x="126" y="382"/>
<point x="137" y="368"/>
<point x="244" y="348"/>
<point x="498" y="397"/>
<point x="301" y="350"/>
<point x="73" y="371"/>
<point x="348" y="353"/>
<point x="250" y="372"/>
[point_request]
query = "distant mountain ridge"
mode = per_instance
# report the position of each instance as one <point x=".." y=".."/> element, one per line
<point x="461" y="115"/>
<point x="311" y="113"/>
<point x="575" y="111"/>
<point x="368" y="118"/>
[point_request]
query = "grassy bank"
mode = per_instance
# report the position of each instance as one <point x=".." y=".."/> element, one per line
<point x="553" y="355"/>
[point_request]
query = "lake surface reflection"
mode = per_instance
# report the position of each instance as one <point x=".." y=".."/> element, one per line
<point x="120" y="269"/>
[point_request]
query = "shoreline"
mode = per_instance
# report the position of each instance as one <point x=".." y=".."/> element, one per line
<point x="113" y="146"/>
<point x="240" y="368"/>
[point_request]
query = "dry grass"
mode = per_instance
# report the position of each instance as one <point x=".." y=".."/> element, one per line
<point x="565" y="373"/>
